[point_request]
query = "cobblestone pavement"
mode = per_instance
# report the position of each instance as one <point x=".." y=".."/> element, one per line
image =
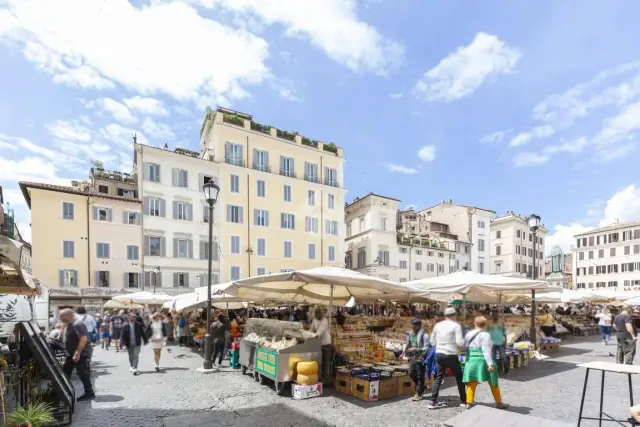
<point x="180" y="397"/>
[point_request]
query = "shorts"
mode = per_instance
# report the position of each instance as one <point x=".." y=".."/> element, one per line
<point x="106" y="334"/>
<point x="116" y="334"/>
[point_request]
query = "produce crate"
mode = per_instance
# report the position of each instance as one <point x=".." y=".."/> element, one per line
<point x="365" y="390"/>
<point x="343" y="383"/>
<point x="406" y="385"/>
<point x="389" y="388"/>
<point x="548" y="348"/>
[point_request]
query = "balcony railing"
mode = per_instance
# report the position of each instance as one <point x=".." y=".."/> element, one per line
<point x="234" y="161"/>
<point x="418" y="242"/>
<point x="261" y="167"/>
<point x="288" y="172"/>
<point x="331" y="183"/>
<point x="311" y="178"/>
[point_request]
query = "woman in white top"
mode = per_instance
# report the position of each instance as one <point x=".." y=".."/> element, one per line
<point x="604" y="323"/>
<point x="479" y="364"/>
<point x="158" y="336"/>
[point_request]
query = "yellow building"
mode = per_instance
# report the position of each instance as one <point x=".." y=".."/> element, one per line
<point x="281" y="198"/>
<point x="85" y="244"/>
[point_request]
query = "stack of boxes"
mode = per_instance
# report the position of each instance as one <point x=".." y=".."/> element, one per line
<point x="372" y="385"/>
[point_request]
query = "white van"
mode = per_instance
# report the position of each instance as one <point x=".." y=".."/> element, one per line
<point x="18" y="308"/>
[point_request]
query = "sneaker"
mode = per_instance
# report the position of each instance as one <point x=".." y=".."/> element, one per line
<point x="436" y="405"/>
<point x="466" y="405"/>
<point x="131" y="370"/>
<point x="417" y="397"/>
<point x="502" y="406"/>
<point x="136" y="372"/>
<point x="86" y="396"/>
<point x="157" y="368"/>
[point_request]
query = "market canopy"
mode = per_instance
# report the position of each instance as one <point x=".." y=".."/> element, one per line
<point x="198" y="299"/>
<point x="15" y="274"/>
<point x="122" y="304"/>
<point x="464" y="282"/>
<point x="145" y="298"/>
<point x="320" y="285"/>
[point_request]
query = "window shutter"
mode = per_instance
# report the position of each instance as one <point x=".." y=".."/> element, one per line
<point x="107" y="248"/>
<point x="228" y="213"/>
<point x="202" y="250"/>
<point x="226" y="150"/>
<point x="190" y="211"/>
<point x="147" y="279"/>
<point x="205" y="213"/>
<point x="61" y="278"/>
<point x="147" y="245"/>
<point x="145" y="205"/>
<point x="175" y="248"/>
<point x="138" y="220"/>
<point x="175" y="280"/>
<point x="158" y="178"/>
<point x="214" y="254"/>
<point x="240" y="154"/>
<point x="190" y="249"/>
<point x="203" y="278"/>
<point x="174" y="177"/>
<point x="139" y="280"/>
<point x="255" y="217"/>
<point x="175" y="210"/>
<point x="97" y="283"/>
<point x="75" y="278"/>
<point x="109" y="214"/>
<point x="266" y="218"/>
<point x="185" y="175"/>
<point x="163" y="208"/>
<point x="281" y="164"/>
<point x="95" y="213"/>
<point x="255" y="156"/>
<point x="163" y="246"/>
<point x="241" y="215"/>
<point x="125" y="217"/>
<point x="145" y="171"/>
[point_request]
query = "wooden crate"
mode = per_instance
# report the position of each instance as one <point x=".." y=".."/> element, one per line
<point x="406" y="385"/>
<point x="389" y="388"/>
<point x="343" y="383"/>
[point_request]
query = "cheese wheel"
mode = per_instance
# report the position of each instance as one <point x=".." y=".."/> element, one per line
<point x="293" y="365"/>
<point x="307" y="379"/>
<point x="307" y="368"/>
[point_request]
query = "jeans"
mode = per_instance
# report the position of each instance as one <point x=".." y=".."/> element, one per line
<point x="327" y="358"/>
<point x="605" y="332"/>
<point x="417" y="373"/>
<point x="626" y="351"/>
<point x="218" y="351"/>
<point x="83" y="370"/>
<point x="134" y="355"/>
<point x="500" y="352"/>
<point x="548" y="331"/>
<point x="444" y="362"/>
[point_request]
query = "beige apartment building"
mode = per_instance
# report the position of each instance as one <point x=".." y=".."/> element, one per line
<point x="513" y="252"/>
<point x="86" y="243"/>
<point x="281" y="199"/>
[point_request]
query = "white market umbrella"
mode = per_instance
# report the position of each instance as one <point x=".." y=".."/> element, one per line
<point x="633" y="301"/>
<point x="145" y="298"/>
<point x="463" y="282"/>
<point x="121" y="304"/>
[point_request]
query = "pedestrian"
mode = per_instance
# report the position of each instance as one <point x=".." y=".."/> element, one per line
<point x="158" y="334"/>
<point x="604" y="323"/>
<point x="105" y="333"/>
<point x="168" y="321"/>
<point x="183" y="330"/>
<point x="447" y="337"/>
<point x="218" y="333"/>
<point x="546" y="323"/>
<point x="626" y="335"/>
<point x="479" y="365"/>
<point x="117" y="322"/>
<point x="416" y="347"/>
<point x="320" y="326"/>
<point x="498" y="333"/>
<point x="133" y="337"/>
<point x="76" y="342"/>
<point x="89" y="322"/>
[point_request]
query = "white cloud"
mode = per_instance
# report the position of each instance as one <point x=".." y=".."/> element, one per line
<point x="157" y="130"/>
<point x="158" y="47"/>
<point x="495" y="137"/>
<point x="331" y="25"/>
<point x="146" y="105"/>
<point x="115" y="109"/>
<point x="529" y="159"/>
<point x="30" y="169"/>
<point x="521" y="139"/>
<point x="401" y="169"/>
<point x="121" y="135"/>
<point x="69" y="130"/>
<point x="397" y="95"/>
<point x="4" y="145"/>
<point x="427" y="153"/>
<point x="622" y="206"/>
<point x="466" y="69"/>
<point x="524" y="138"/>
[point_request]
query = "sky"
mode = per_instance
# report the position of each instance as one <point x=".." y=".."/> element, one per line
<point x="531" y="106"/>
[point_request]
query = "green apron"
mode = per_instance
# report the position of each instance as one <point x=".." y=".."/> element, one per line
<point x="475" y="369"/>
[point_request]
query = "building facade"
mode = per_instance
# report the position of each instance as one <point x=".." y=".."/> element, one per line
<point x="608" y="258"/>
<point x="512" y="247"/>
<point x="85" y="245"/>
<point x="175" y="220"/>
<point x="470" y="224"/>
<point x="281" y="196"/>
<point x="381" y="241"/>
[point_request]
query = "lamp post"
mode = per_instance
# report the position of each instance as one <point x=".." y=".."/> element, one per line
<point x="534" y="223"/>
<point x="156" y="271"/>
<point x="211" y="191"/>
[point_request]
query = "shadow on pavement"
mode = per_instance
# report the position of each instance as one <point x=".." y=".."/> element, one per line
<point x="523" y="410"/>
<point x="108" y="398"/>
<point x="539" y="369"/>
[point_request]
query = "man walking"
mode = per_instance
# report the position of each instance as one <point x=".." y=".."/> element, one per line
<point x="218" y="333"/>
<point x="416" y="347"/>
<point x="626" y="335"/>
<point x="76" y="342"/>
<point x="89" y="322"/>
<point x="116" y="328"/>
<point x="447" y="337"/>
<point x="133" y="337"/>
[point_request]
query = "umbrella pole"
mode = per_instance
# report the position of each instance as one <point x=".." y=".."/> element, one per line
<point x="464" y="311"/>
<point x="330" y="306"/>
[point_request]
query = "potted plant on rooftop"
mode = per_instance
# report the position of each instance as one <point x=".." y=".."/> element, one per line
<point x="39" y="415"/>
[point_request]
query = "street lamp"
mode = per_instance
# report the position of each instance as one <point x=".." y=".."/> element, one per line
<point x="534" y="224"/>
<point x="211" y="191"/>
<point x="156" y="271"/>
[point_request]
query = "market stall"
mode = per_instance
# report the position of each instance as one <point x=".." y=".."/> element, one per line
<point x="270" y="349"/>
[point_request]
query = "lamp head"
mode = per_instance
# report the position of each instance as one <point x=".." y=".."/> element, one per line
<point x="534" y="222"/>
<point x="211" y="190"/>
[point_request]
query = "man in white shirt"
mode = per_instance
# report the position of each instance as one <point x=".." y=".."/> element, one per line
<point x="447" y="337"/>
<point x="320" y="325"/>
<point x="89" y="322"/>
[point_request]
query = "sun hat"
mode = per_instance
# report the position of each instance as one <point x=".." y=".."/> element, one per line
<point x="416" y="321"/>
<point x="450" y="311"/>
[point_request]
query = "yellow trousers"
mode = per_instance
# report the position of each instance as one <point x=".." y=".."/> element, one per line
<point x="471" y="392"/>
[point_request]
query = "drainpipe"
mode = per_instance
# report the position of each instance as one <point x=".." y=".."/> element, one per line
<point x="88" y="241"/>
<point x="140" y="177"/>
<point x="321" y="222"/>
<point x="249" y="250"/>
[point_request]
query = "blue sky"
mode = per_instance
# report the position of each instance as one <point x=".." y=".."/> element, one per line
<point x="530" y="106"/>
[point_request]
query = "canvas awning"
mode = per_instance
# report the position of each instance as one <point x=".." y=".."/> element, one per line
<point x="15" y="276"/>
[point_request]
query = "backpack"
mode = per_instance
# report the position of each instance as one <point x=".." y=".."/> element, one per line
<point x="181" y="322"/>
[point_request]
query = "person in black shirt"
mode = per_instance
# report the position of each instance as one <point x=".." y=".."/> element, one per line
<point x="76" y="341"/>
<point x="626" y="335"/>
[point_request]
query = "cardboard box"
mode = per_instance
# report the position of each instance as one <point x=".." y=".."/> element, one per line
<point x="365" y="390"/>
<point x="343" y="383"/>
<point x="549" y="348"/>
<point x="388" y="388"/>
<point x="406" y="385"/>
<point x="300" y="392"/>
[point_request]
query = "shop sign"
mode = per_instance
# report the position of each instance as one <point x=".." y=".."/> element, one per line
<point x="266" y="362"/>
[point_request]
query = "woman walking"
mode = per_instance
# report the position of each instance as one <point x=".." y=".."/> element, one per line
<point x="604" y="322"/>
<point x="105" y="331"/>
<point x="158" y="336"/>
<point x="479" y="365"/>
